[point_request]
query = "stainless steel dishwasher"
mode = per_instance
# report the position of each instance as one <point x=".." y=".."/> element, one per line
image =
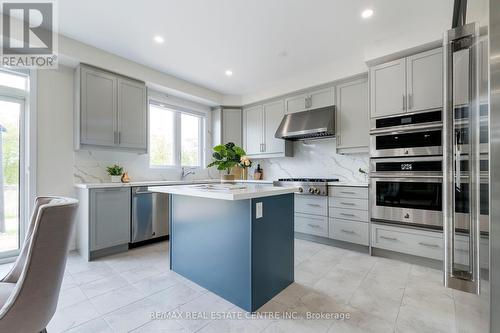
<point x="150" y="215"/>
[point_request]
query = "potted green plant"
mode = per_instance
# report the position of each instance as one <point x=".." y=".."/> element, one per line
<point x="225" y="157"/>
<point x="115" y="171"/>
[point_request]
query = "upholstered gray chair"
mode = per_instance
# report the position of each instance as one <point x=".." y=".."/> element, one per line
<point x="29" y="292"/>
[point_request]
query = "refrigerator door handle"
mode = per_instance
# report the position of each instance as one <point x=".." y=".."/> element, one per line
<point x="456" y="276"/>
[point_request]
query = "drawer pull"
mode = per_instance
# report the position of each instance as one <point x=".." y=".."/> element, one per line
<point x="347" y="192"/>
<point x="428" y="245"/>
<point x="313" y="225"/>
<point x="347" y="214"/>
<point x="389" y="238"/>
<point x="348" y="231"/>
<point x="348" y="203"/>
<point x="314" y="205"/>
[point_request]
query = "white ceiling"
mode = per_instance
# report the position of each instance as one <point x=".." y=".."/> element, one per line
<point x="203" y="38"/>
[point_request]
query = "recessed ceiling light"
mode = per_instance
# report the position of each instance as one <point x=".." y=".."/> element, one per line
<point x="367" y="13"/>
<point x="229" y="72"/>
<point x="159" y="39"/>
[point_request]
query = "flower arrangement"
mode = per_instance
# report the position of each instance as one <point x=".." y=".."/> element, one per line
<point x="245" y="162"/>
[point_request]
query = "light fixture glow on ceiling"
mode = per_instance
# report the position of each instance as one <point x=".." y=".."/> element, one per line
<point x="159" y="39"/>
<point x="229" y="72"/>
<point x="367" y="13"/>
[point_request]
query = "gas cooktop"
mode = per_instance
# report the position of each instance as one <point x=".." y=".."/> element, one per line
<point x="310" y="186"/>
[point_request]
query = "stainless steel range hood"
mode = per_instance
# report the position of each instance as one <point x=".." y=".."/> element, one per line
<point x="316" y="123"/>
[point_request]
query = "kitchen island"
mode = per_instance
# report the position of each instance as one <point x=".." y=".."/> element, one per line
<point x="234" y="240"/>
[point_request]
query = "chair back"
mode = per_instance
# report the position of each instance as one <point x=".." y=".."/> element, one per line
<point x="39" y="270"/>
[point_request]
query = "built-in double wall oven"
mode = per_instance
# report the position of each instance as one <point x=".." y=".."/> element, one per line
<point x="406" y="171"/>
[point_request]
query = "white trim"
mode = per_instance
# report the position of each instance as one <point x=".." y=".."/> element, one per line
<point x="28" y="143"/>
<point x="203" y="134"/>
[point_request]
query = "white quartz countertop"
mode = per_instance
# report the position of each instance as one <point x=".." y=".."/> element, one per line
<point x="218" y="191"/>
<point x="352" y="184"/>
<point x="165" y="183"/>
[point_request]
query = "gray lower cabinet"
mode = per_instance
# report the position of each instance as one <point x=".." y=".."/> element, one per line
<point x="103" y="221"/>
<point x="111" y="111"/>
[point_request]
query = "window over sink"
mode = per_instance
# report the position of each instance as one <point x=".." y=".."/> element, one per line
<point x="176" y="136"/>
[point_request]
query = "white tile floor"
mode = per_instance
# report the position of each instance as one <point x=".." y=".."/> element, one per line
<point x="119" y="293"/>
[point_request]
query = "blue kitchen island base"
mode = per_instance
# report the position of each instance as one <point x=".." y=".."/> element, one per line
<point x="224" y="246"/>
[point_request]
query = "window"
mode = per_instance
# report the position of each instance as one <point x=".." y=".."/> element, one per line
<point x="13" y="149"/>
<point x="176" y="136"/>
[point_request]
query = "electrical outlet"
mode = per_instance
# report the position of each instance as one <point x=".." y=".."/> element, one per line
<point x="258" y="210"/>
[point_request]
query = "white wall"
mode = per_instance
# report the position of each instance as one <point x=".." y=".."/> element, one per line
<point x="55" y="132"/>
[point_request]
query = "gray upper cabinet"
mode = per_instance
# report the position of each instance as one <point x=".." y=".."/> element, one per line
<point x="352" y="118"/>
<point x="410" y="84"/>
<point x="321" y="98"/>
<point x="388" y="88"/>
<point x="109" y="217"/>
<point x="260" y="123"/>
<point x="296" y="103"/>
<point x="425" y="80"/>
<point x="231" y="126"/>
<point x="310" y="100"/>
<point x="98" y="122"/>
<point x="227" y="126"/>
<point x="253" y="130"/>
<point x="273" y="114"/>
<point x="111" y="111"/>
<point x="132" y="115"/>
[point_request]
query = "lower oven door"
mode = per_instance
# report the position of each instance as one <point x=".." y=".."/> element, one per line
<point x="407" y="200"/>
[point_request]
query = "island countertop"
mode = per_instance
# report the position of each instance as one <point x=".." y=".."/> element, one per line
<point x="232" y="192"/>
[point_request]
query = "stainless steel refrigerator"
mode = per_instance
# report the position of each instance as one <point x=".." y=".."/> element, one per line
<point x="471" y="165"/>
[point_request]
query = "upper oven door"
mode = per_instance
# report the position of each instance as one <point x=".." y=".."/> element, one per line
<point x="416" y="142"/>
<point x="408" y="200"/>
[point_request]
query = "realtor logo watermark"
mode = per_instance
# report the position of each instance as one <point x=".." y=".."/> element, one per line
<point x="29" y="34"/>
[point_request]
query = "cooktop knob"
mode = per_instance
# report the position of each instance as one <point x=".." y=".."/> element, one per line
<point x="311" y="190"/>
<point x="301" y="190"/>
<point x="317" y="191"/>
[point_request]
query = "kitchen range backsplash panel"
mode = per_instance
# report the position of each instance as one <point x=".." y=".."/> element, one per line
<point x="90" y="167"/>
<point x="316" y="159"/>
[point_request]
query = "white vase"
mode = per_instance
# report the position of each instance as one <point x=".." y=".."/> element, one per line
<point x="116" y="179"/>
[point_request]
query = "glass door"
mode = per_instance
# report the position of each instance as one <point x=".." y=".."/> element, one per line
<point x="11" y="179"/>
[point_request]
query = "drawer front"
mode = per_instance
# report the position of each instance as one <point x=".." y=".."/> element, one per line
<point x="308" y="204"/>
<point x="348" y="231"/>
<point x="349" y="214"/>
<point x="312" y="225"/>
<point x="421" y="243"/>
<point x="349" y="203"/>
<point x="348" y="192"/>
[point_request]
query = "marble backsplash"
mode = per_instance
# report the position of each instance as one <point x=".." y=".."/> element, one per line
<point x="316" y="159"/>
<point x="90" y="167"/>
<point x="313" y="159"/>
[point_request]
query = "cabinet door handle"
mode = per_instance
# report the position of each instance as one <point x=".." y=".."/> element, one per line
<point x="348" y="204"/>
<point x="348" y="231"/>
<point x="410" y="101"/>
<point x="346" y="214"/>
<point x="404" y="102"/>
<point x="428" y="245"/>
<point x="314" y="205"/>
<point x="313" y="225"/>
<point x="345" y="192"/>
<point x="119" y="137"/>
<point x="389" y="238"/>
<point x="115" y="137"/>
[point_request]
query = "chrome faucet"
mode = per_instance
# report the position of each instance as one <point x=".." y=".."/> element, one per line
<point x="186" y="172"/>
